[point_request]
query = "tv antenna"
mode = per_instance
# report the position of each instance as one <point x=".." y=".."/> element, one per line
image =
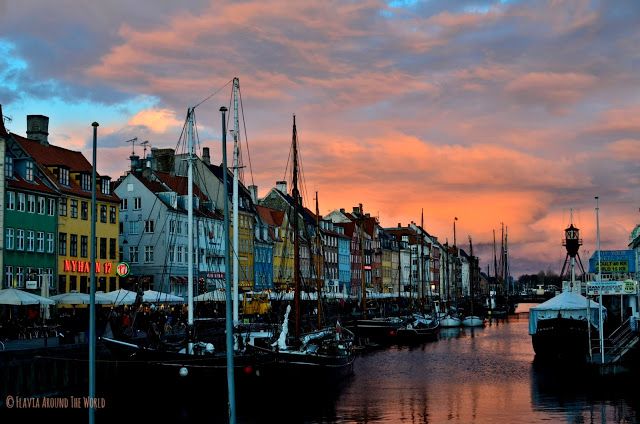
<point x="133" y="145"/>
<point x="145" y="143"/>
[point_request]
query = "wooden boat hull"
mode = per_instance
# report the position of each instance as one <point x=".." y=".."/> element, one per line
<point x="561" y="339"/>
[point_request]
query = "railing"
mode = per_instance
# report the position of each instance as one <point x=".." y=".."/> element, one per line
<point x="618" y="343"/>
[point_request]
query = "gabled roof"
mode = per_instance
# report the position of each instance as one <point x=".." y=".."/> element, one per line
<point x="54" y="156"/>
<point x="179" y="184"/>
<point x="267" y="215"/>
<point x="37" y="185"/>
<point x="3" y="130"/>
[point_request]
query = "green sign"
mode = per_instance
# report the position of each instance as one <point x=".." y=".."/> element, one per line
<point x="122" y="269"/>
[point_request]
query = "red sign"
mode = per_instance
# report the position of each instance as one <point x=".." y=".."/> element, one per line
<point x="85" y="267"/>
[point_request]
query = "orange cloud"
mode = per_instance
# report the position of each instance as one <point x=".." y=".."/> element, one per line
<point x="157" y="120"/>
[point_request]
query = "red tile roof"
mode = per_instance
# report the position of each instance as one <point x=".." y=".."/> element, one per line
<point x="54" y="156"/>
<point x="179" y="184"/>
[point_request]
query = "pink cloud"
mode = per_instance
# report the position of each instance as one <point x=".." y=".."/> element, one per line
<point x="551" y="89"/>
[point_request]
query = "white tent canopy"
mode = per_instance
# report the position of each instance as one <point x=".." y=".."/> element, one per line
<point x="152" y="296"/>
<point x="13" y="296"/>
<point x="76" y="298"/>
<point x="568" y="305"/>
<point x="119" y="297"/>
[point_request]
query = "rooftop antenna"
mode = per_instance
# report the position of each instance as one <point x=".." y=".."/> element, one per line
<point x="144" y="144"/>
<point x="133" y="145"/>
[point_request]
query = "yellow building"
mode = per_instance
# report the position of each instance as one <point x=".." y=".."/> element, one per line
<point x="73" y="175"/>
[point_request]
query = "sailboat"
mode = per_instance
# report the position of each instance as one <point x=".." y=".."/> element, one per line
<point x="325" y="355"/>
<point x="194" y="360"/>
<point x="449" y="320"/>
<point x="472" y="320"/>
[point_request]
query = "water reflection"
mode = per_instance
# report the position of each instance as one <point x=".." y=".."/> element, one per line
<point x="471" y="375"/>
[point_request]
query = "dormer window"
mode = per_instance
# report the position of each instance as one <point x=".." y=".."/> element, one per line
<point x="85" y="182"/>
<point x="8" y="166"/>
<point x="106" y="186"/>
<point x="28" y="175"/>
<point x="63" y="178"/>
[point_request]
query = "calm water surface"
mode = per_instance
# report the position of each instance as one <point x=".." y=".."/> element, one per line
<point x="485" y="375"/>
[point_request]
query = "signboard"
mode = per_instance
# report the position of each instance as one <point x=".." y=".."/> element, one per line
<point x="612" y="287"/>
<point x="122" y="269"/>
<point x="32" y="285"/>
<point x="613" y="261"/>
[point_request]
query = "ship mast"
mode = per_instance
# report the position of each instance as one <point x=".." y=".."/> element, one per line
<point x="318" y="265"/>
<point x="296" y="242"/>
<point x="236" y="170"/>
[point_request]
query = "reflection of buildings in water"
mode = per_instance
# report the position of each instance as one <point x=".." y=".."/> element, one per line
<point x="580" y="394"/>
<point x="450" y="332"/>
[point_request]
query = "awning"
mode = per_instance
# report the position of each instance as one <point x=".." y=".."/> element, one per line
<point x="178" y="280"/>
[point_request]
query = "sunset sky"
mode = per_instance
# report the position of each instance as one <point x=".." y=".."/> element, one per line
<point x="493" y="112"/>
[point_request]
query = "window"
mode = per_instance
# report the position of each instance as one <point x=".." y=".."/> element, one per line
<point x="123" y="205"/>
<point x="179" y="255"/>
<point x="21" y="202"/>
<point x="137" y="203"/>
<point x="62" y="244"/>
<point x="112" y="214"/>
<point x="28" y="175"/>
<point x="148" y="226"/>
<point x="133" y="227"/>
<point x="8" y="243"/>
<point x="48" y="277"/>
<point x="133" y="254"/>
<point x="20" y="240"/>
<point x="31" y="203"/>
<point x="103" y="213"/>
<point x="73" y="245"/>
<point x="171" y="253"/>
<point x="49" y="242"/>
<point x="40" y="246"/>
<point x="120" y="228"/>
<point x="85" y="182"/>
<point x="20" y="277"/>
<point x="84" y="246"/>
<point x="103" y="248"/>
<point x="41" y="205"/>
<point x="62" y="207"/>
<point x="112" y="248"/>
<point x="64" y="176"/>
<point x="8" y="166"/>
<point x="172" y="226"/>
<point x="52" y="207"/>
<point x="84" y="213"/>
<point x="74" y="208"/>
<point x="106" y="186"/>
<point x="8" y="275"/>
<point x="148" y="254"/>
<point x="11" y="200"/>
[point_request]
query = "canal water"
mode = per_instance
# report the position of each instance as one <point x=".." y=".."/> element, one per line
<point x="485" y="375"/>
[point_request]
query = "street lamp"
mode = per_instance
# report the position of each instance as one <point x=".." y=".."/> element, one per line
<point x="454" y="231"/>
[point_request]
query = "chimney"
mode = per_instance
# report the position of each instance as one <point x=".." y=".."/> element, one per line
<point x="164" y="159"/>
<point x="135" y="163"/>
<point x="205" y="156"/>
<point x="3" y="130"/>
<point x="281" y="186"/>
<point x="357" y="209"/>
<point x="38" y="128"/>
<point x="253" y="189"/>
<point x="399" y="226"/>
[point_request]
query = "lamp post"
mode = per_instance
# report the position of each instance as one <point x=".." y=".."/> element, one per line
<point x="454" y="231"/>
<point x="600" y="329"/>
